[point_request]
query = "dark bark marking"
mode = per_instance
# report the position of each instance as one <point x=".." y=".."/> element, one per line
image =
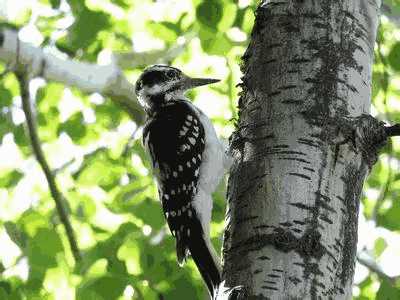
<point x="301" y="205"/>
<point x="290" y="152"/>
<point x="270" y="61"/>
<point x="262" y="226"/>
<point x="299" y="222"/>
<point x="272" y="46"/>
<point x="295" y="159"/>
<point x="272" y="94"/>
<point x="263" y="258"/>
<point x="292" y="101"/>
<point x="281" y="146"/>
<point x="300" y="175"/>
<point x="325" y="218"/>
<point x="269" y="281"/>
<point x="257" y="271"/>
<point x="286" y="224"/>
<point x="288" y="87"/>
<point x="323" y="197"/>
<point x="269" y="288"/>
<point x="273" y="276"/>
<point x="307" y="246"/>
<point x="309" y="169"/>
<point x="311" y="143"/>
<point x="353" y="186"/>
<point x="277" y="270"/>
<point x="294" y="280"/>
<point x="341" y="199"/>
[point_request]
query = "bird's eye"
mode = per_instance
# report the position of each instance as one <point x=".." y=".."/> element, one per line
<point x="170" y="74"/>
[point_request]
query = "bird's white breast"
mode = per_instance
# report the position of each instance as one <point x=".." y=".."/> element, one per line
<point x="214" y="163"/>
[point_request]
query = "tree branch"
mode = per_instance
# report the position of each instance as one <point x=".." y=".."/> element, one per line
<point x="393" y="130"/>
<point x="375" y="268"/>
<point x="107" y="80"/>
<point x="37" y="150"/>
<point x="387" y="10"/>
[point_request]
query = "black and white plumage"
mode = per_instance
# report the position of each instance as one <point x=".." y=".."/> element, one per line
<point x="188" y="160"/>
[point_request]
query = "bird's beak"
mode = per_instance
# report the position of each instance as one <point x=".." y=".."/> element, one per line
<point x="195" y="82"/>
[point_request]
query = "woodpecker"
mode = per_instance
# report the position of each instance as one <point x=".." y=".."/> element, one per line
<point x="188" y="162"/>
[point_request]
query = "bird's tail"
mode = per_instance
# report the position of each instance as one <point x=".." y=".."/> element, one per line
<point x="207" y="262"/>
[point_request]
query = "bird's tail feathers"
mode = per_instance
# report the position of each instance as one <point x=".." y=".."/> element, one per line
<point x="207" y="262"/>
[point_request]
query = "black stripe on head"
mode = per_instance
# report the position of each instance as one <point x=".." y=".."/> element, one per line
<point x="157" y="74"/>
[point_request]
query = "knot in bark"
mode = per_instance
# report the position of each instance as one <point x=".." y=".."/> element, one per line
<point x="369" y="137"/>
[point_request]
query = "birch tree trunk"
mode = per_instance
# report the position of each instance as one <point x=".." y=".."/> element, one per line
<point x="303" y="148"/>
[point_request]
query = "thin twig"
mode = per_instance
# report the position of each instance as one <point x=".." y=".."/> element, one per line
<point x="37" y="150"/>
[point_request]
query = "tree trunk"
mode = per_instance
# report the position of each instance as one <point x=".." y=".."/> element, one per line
<point x="303" y="147"/>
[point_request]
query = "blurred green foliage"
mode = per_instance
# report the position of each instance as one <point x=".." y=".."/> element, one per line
<point x="101" y="166"/>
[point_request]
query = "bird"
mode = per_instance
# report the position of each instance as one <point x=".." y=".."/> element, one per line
<point x="188" y="162"/>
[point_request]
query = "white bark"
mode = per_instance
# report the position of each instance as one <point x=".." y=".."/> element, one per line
<point x="301" y="155"/>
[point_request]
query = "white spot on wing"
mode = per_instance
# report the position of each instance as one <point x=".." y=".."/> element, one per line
<point x="175" y="174"/>
<point x="192" y="140"/>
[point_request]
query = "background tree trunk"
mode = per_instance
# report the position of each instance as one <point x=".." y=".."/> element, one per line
<point x="302" y="151"/>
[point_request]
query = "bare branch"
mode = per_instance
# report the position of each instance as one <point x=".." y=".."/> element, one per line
<point x="387" y="10"/>
<point x="38" y="152"/>
<point x="107" y="80"/>
<point x="393" y="130"/>
<point x="375" y="268"/>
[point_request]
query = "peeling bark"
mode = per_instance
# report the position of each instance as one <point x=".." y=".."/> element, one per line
<point x="303" y="147"/>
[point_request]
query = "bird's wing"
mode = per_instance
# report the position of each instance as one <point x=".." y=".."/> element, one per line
<point x="175" y="140"/>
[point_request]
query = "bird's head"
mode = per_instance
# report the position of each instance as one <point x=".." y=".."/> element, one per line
<point x="159" y="84"/>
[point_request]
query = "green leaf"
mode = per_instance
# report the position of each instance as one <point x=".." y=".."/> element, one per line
<point x="10" y="179"/>
<point x="390" y="218"/>
<point x="16" y="235"/>
<point x="228" y="17"/>
<point x="43" y="248"/>
<point x="214" y="43"/>
<point x="248" y="21"/>
<point x="209" y="13"/>
<point x="164" y="31"/>
<point x="75" y="127"/>
<point x="55" y="3"/>
<point x="387" y="291"/>
<point x="84" y="31"/>
<point x="150" y="212"/>
<point x="394" y="57"/>
<point x="5" y="96"/>
<point x="107" y="287"/>
<point x="379" y="247"/>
